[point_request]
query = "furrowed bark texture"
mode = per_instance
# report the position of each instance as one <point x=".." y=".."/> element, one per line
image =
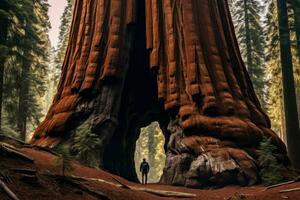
<point x="130" y="62"/>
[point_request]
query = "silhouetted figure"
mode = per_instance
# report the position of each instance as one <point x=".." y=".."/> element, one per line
<point x="144" y="168"/>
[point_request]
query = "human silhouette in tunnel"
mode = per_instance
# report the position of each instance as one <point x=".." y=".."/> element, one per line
<point x="144" y="168"/>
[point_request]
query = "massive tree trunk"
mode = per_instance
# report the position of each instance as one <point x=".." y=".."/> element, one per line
<point x="289" y="94"/>
<point x="130" y="62"/>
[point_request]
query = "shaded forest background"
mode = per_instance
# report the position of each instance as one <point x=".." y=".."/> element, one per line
<point x="30" y="66"/>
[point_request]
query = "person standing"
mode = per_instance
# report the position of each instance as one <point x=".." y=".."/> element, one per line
<point x="144" y="168"/>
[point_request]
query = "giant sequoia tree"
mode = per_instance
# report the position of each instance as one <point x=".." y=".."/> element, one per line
<point x="130" y="62"/>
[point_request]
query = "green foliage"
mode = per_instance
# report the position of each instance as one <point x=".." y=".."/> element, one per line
<point x="25" y="64"/>
<point x="64" y="159"/>
<point x="63" y="39"/>
<point x="8" y="131"/>
<point x="273" y="67"/>
<point x="248" y="22"/>
<point x="274" y="103"/>
<point x="87" y="146"/>
<point x="270" y="171"/>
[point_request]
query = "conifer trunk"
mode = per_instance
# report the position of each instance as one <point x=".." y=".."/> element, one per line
<point x="23" y="100"/>
<point x="3" y="43"/>
<point x="290" y="105"/>
<point x="248" y="40"/>
<point x="296" y="8"/>
<point x="298" y="105"/>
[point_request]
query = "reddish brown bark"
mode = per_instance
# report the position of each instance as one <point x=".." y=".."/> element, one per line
<point x="202" y="90"/>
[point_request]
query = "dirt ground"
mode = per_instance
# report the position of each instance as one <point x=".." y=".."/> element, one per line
<point x="50" y="186"/>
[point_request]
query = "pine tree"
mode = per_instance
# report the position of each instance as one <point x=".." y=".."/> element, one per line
<point x="33" y="67"/>
<point x="296" y="15"/>
<point x="62" y="40"/>
<point x="25" y="64"/>
<point x="273" y="68"/>
<point x="247" y="17"/>
<point x="274" y="78"/>
<point x="3" y="48"/>
<point x="290" y="106"/>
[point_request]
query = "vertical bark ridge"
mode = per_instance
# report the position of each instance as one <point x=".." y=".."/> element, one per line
<point x="94" y="54"/>
<point x="239" y="106"/>
<point x="224" y="93"/>
<point x="190" y="49"/>
<point x="157" y="55"/>
<point x="70" y="48"/>
<point x="75" y="63"/>
<point x="209" y="103"/>
<point x="172" y="99"/>
<point x="86" y="47"/>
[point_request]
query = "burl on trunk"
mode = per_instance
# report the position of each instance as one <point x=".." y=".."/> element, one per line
<point x="130" y="62"/>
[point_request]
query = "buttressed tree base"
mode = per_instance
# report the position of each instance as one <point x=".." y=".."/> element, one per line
<point x="132" y="62"/>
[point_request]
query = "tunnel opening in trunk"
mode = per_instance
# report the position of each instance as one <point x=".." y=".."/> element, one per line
<point x="150" y="145"/>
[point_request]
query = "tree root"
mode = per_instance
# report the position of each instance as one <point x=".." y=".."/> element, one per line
<point x="8" y="191"/>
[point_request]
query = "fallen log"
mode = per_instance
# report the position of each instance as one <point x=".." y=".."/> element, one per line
<point x="163" y="193"/>
<point x="48" y="150"/>
<point x="87" y="189"/>
<point x="8" y="191"/>
<point x="24" y="144"/>
<point x="9" y="149"/>
<point x="11" y="139"/>
<point x="290" y="190"/>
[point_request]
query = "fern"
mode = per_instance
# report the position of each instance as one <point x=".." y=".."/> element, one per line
<point x="87" y="146"/>
<point x="270" y="171"/>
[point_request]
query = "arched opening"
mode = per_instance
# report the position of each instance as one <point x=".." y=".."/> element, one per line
<point x="150" y="145"/>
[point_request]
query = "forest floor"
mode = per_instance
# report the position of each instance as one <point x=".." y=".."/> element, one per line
<point x="38" y="177"/>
